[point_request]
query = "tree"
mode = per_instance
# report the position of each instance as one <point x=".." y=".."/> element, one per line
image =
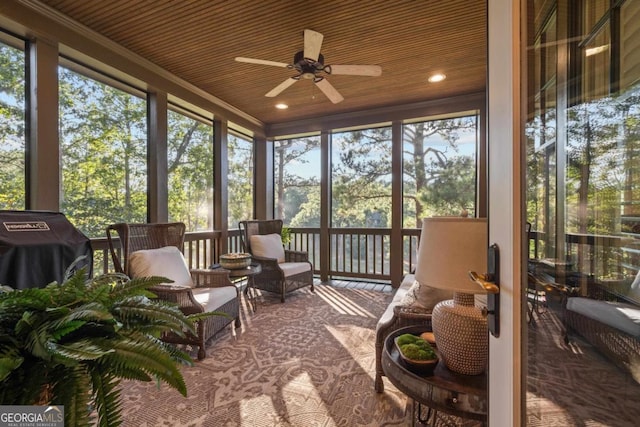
<point x="103" y="146"/>
<point x="292" y="189"/>
<point x="190" y="172"/>
<point x="12" y="128"/>
<point x="240" y="205"/>
<point x="361" y="190"/>
<point x="439" y="171"/>
<point x="439" y="177"/>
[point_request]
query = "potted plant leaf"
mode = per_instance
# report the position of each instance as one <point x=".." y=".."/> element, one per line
<point x="72" y="343"/>
<point x="285" y="235"/>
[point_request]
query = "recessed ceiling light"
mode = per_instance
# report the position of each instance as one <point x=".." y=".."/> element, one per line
<point x="282" y="106"/>
<point x="435" y="78"/>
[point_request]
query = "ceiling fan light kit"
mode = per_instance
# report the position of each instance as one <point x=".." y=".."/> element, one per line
<point x="309" y="63"/>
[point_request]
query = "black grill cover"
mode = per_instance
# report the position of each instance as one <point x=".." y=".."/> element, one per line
<point x="37" y="247"/>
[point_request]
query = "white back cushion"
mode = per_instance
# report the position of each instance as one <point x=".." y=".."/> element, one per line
<point x="165" y="262"/>
<point x="267" y="246"/>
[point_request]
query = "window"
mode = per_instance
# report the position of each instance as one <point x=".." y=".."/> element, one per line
<point x="12" y="127"/>
<point x="190" y="171"/>
<point x="103" y="137"/>
<point x="240" y="179"/>
<point x="361" y="178"/>
<point x="297" y="181"/>
<point x="440" y="168"/>
<point x="541" y="135"/>
<point x="602" y="175"/>
<point x="583" y="201"/>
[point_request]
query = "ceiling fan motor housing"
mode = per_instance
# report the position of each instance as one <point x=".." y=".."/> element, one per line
<point x="309" y="63"/>
<point x="307" y="66"/>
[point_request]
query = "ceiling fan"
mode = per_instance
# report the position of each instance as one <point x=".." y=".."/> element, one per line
<point x="309" y="64"/>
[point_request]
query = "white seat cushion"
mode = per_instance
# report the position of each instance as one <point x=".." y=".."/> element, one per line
<point x="164" y="262"/>
<point x="293" y="268"/>
<point x="618" y="315"/>
<point x="267" y="246"/>
<point x="214" y="298"/>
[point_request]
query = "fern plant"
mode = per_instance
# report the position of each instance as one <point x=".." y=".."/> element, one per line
<point x="72" y="343"/>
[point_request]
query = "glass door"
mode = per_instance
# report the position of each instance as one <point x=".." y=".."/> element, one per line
<point x="581" y="136"/>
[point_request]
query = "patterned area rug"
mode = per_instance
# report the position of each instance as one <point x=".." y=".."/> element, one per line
<point x="307" y="362"/>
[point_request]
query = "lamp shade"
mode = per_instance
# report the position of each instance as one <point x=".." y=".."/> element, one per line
<point x="449" y="248"/>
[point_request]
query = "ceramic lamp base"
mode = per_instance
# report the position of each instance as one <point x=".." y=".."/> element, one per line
<point x="461" y="335"/>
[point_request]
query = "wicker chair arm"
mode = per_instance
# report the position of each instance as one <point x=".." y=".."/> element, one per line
<point x="412" y="313"/>
<point x="267" y="264"/>
<point x="206" y="278"/>
<point x="296" y="256"/>
<point x="180" y="295"/>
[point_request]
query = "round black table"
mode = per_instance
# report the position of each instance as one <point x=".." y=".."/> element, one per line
<point x="463" y="396"/>
<point x="248" y="273"/>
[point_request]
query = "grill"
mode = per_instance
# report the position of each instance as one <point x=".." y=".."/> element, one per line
<point x="37" y="248"/>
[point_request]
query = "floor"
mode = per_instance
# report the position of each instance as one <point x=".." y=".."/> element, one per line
<point x="567" y="385"/>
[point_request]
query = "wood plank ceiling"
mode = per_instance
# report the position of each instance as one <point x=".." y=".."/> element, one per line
<point x="197" y="40"/>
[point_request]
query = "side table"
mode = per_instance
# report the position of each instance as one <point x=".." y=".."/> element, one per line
<point x="248" y="273"/>
<point x="463" y="396"/>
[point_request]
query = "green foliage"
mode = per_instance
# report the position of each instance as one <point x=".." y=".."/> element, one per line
<point x="240" y="205"/>
<point x="439" y="168"/>
<point x="415" y="348"/>
<point x="103" y="143"/>
<point x="361" y="177"/>
<point x="297" y="181"/>
<point x="190" y="171"/>
<point x="439" y="161"/>
<point x="285" y="234"/>
<point x="12" y="128"/>
<point x="72" y="343"/>
<point x="406" y="339"/>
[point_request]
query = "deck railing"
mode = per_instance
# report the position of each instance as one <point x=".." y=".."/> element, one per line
<point x="599" y="256"/>
<point x="365" y="252"/>
<point x="354" y="252"/>
<point x="201" y="249"/>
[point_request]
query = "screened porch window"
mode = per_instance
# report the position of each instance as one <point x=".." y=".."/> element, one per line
<point x="12" y="127"/>
<point x="103" y="143"/>
<point x="190" y="170"/>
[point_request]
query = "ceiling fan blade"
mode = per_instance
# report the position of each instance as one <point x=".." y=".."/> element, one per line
<point x="282" y="86"/>
<point x="261" y="62"/>
<point x="312" y="44"/>
<point x="355" y="70"/>
<point x="330" y="91"/>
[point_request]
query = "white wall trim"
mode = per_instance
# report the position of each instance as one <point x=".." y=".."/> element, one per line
<point x="505" y="207"/>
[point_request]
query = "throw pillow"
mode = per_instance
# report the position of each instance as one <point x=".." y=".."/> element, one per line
<point x="267" y="246"/>
<point x="164" y="262"/>
<point x="427" y="297"/>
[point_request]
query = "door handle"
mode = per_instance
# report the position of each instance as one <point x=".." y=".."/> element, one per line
<point x="490" y="282"/>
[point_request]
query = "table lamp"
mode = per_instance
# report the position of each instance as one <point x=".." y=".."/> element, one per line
<point x="449" y="248"/>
